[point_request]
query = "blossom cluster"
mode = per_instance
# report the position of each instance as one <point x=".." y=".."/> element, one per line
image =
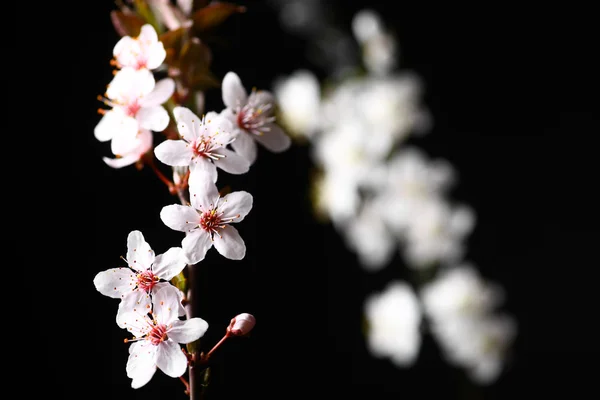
<point x="392" y="205"/>
<point x="144" y="100"/>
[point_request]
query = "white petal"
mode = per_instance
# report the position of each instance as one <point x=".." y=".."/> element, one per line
<point x="236" y="204"/>
<point x="245" y="146"/>
<point x="163" y="90"/>
<point x="141" y="364"/>
<point x="137" y="323"/>
<point x="169" y="264"/>
<point x="195" y="245"/>
<point x="203" y="192"/>
<point x="136" y="302"/>
<point x="179" y="218"/>
<point x="154" y="118"/>
<point x="232" y="163"/>
<point x="129" y="84"/>
<point x="109" y="125"/>
<point x="176" y="153"/>
<point x="156" y="55"/>
<point x="274" y="139"/>
<point x="264" y="97"/>
<point x="121" y="162"/>
<point x="188" y="123"/>
<point x="234" y="93"/>
<point x="122" y="50"/>
<point x="125" y="139"/>
<point x="148" y="34"/>
<point x="161" y="285"/>
<point x="165" y="304"/>
<point x="170" y="359"/>
<point x="230" y="244"/>
<point x="203" y="169"/>
<point x="187" y="331"/>
<point x="115" y="282"/>
<point x="139" y="254"/>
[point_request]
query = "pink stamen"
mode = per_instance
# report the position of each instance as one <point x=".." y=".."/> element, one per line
<point x="158" y="334"/>
<point x="146" y="281"/>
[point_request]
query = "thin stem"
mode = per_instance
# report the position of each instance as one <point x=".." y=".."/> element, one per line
<point x="187" y="385"/>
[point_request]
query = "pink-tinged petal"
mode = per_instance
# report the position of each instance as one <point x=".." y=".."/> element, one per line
<point x="161" y="285"/>
<point x="147" y="35"/>
<point x="144" y="143"/>
<point x="230" y="244"/>
<point x="155" y="118"/>
<point x="125" y="139"/>
<point x="245" y="146"/>
<point x="219" y="127"/>
<point x="123" y="50"/>
<point x="141" y="364"/>
<point x="203" y="192"/>
<point x="170" y="359"/>
<point x="140" y="255"/>
<point x="176" y="153"/>
<point x="121" y="162"/>
<point x="165" y="304"/>
<point x="232" y="163"/>
<point x="274" y="139"/>
<point x="234" y="93"/>
<point x="195" y="245"/>
<point x="202" y="168"/>
<point x="115" y="282"/>
<point x="236" y="205"/>
<point x="169" y="264"/>
<point x="163" y="90"/>
<point x="265" y="97"/>
<point x="133" y="305"/>
<point x="156" y="56"/>
<point x="188" y="123"/>
<point x="137" y="324"/>
<point x="130" y="84"/>
<point x="180" y="218"/>
<point x="110" y="125"/>
<point x="187" y="331"/>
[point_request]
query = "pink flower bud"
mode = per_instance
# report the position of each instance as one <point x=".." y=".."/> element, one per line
<point x="241" y="324"/>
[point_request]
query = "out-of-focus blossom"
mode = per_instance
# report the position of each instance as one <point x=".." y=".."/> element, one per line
<point x="207" y="220"/>
<point x="393" y="320"/>
<point x="202" y="146"/>
<point x="379" y="47"/>
<point x="142" y="52"/>
<point x="143" y="144"/>
<point x="335" y="197"/>
<point x="253" y="118"/>
<point x="136" y="101"/>
<point x="157" y="339"/>
<point x="298" y="97"/>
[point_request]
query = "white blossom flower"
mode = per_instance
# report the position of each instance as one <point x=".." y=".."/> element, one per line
<point x="145" y="275"/>
<point x="206" y="221"/>
<point x="142" y="52"/>
<point x="335" y="196"/>
<point x="157" y="338"/>
<point x="143" y="142"/>
<point x="252" y="117"/>
<point x="299" y="98"/>
<point x="393" y="320"/>
<point x="136" y="101"/>
<point x="202" y="146"/>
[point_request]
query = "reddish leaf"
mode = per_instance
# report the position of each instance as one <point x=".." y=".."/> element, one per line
<point x="214" y="14"/>
<point x="173" y="42"/>
<point x="194" y="63"/>
<point x="126" y="24"/>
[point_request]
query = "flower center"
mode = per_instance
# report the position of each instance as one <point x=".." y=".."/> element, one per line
<point x="158" y="334"/>
<point x="132" y="108"/>
<point x="210" y="221"/>
<point x="146" y="281"/>
<point x="206" y="147"/>
<point x="254" y="116"/>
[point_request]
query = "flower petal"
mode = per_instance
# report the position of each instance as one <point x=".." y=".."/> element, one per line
<point x="176" y="153"/>
<point x="203" y="192"/>
<point x="195" y="245"/>
<point x="129" y="83"/>
<point x="187" y="331"/>
<point x="232" y="163"/>
<point x="165" y="304"/>
<point x="139" y="254"/>
<point x="188" y="123"/>
<point x="203" y="169"/>
<point x="163" y="90"/>
<point x="115" y="282"/>
<point x="169" y="264"/>
<point x="274" y="139"/>
<point x="109" y="125"/>
<point x="236" y="204"/>
<point x="125" y="139"/>
<point x="179" y="218"/>
<point x="230" y="244"/>
<point x="245" y="146"/>
<point x="161" y="285"/>
<point x="170" y="359"/>
<point x="136" y="302"/>
<point x="121" y="162"/>
<point x="265" y="97"/>
<point x="154" y="118"/>
<point x="141" y="364"/>
<point x="234" y="93"/>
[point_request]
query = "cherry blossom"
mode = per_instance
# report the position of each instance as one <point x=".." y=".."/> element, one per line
<point x="207" y="220"/>
<point x="144" y="144"/>
<point x="202" y="146"/>
<point x="136" y="101"/>
<point x="145" y="275"/>
<point x="142" y="52"/>
<point x="253" y="118"/>
<point x="157" y="338"/>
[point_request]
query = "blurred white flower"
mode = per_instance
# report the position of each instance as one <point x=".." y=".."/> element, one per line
<point x="393" y="320"/>
<point x="143" y="51"/>
<point x="142" y="144"/>
<point x="335" y="196"/>
<point x="379" y="47"/>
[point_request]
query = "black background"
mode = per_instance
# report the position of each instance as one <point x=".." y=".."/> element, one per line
<point x="513" y="96"/>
